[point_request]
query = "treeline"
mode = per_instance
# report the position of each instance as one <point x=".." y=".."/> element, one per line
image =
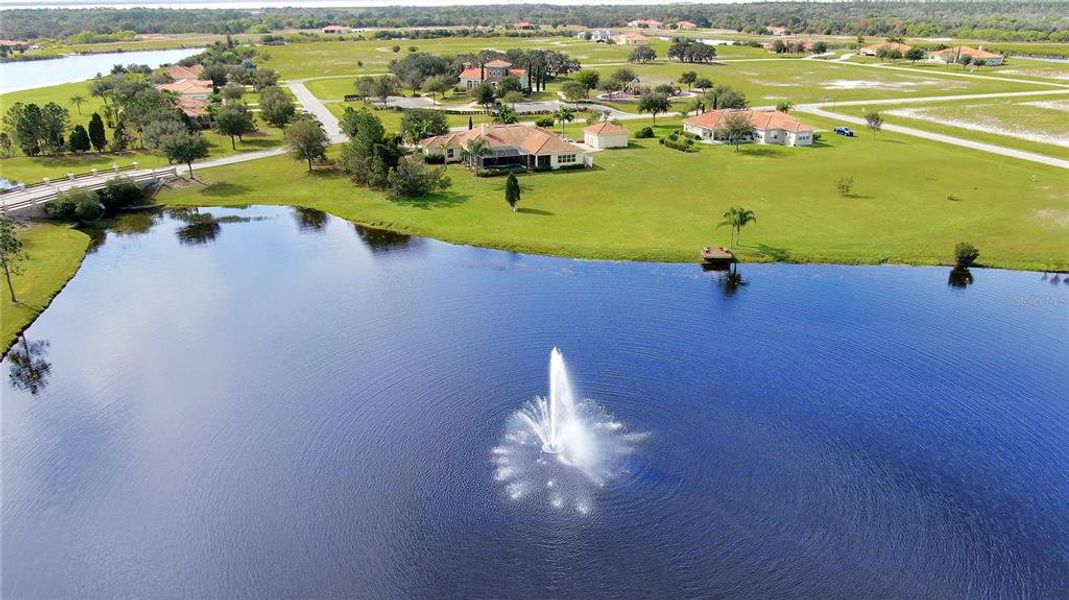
<point x="1000" y="21"/>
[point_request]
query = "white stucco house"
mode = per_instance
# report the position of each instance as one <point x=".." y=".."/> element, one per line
<point x="509" y="146"/>
<point x="770" y="127"/>
<point x="605" y="135"/>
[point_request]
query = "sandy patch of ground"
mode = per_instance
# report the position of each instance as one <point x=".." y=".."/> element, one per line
<point x="863" y="84"/>
<point x="981" y="122"/>
<point x="1062" y="105"/>
<point x="1044" y="73"/>
<point x="1054" y="216"/>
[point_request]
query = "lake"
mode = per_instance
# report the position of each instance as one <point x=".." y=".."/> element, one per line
<point x="28" y="74"/>
<point x="274" y="403"/>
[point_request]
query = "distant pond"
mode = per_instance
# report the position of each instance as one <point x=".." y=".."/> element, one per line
<point x="274" y="403"/>
<point x="28" y="74"/>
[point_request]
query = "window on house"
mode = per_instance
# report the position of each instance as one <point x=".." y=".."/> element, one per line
<point x="566" y="158"/>
<point x="449" y="153"/>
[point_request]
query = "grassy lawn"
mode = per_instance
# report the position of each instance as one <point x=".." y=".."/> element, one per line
<point x="648" y="202"/>
<point x="54" y="252"/>
<point x="1040" y="71"/>
<point x="1037" y="122"/>
<point x="768" y="81"/>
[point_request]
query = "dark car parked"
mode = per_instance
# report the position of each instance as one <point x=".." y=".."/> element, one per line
<point x="845" y="131"/>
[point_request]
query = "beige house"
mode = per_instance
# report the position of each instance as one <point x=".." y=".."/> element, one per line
<point x="770" y="127"/>
<point x="605" y="135"/>
<point x="508" y="147"/>
<point x="874" y="49"/>
<point x="198" y="89"/>
<point x="491" y="72"/>
<point x="337" y="29"/>
<point x="685" y="25"/>
<point x="979" y="56"/>
<point x="646" y="23"/>
<point x="630" y="38"/>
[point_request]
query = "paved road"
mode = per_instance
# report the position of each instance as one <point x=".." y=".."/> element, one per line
<point x="317" y="108"/>
<point x="938" y="137"/>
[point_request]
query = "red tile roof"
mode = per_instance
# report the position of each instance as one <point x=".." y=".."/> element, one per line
<point x="178" y="72"/>
<point x="193" y="107"/>
<point x="533" y="140"/>
<point x="187" y="87"/>
<point x="967" y="51"/>
<point x="605" y="127"/>
<point x="499" y="63"/>
<point x="903" y="48"/>
<point x="760" y="119"/>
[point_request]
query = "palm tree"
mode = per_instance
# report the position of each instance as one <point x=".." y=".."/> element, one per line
<point x="77" y="100"/>
<point x="737" y="217"/>
<point x="564" y="115"/>
<point x="505" y="114"/>
<point x="472" y="151"/>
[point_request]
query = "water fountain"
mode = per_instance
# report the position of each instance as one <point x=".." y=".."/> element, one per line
<point x="560" y="447"/>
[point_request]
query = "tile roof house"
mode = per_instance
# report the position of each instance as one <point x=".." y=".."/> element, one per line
<point x="873" y="49"/>
<point x="508" y="146"/>
<point x="178" y="72"/>
<point x="199" y="89"/>
<point x="685" y="25"/>
<point x="491" y="72"/>
<point x="630" y="38"/>
<point x="771" y="127"/>
<point x="605" y="135"/>
<point x="951" y="55"/>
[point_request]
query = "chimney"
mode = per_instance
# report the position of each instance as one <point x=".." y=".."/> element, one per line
<point x="467" y="64"/>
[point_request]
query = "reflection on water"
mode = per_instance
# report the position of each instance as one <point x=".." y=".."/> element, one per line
<point x="310" y="219"/>
<point x="960" y="277"/>
<point x="278" y="414"/>
<point x="203" y="227"/>
<point x="29" y="368"/>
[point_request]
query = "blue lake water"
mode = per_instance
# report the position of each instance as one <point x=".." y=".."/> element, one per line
<point x="278" y="404"/>
<point x="25" y="75"/>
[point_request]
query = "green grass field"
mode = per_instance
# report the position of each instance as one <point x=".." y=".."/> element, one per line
<point x="54" y="253"/>
<point x="1040" y="71"/>
<point x="648" y="202"/>
<point x="1033" y="125"/>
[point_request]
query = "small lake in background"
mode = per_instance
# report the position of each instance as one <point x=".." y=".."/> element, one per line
<point x="28" y="74"/>
<point x="267" y="402"/>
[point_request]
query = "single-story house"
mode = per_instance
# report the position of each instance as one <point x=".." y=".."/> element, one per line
<point x="198" y="89"/>
<point x="508" y="146"/>
<point x="770" y="127"/>
<point x="875" y="48"/>
<point x="685" y="25"/>
<point x="605" y="135"/>
<point x="979" y="56"/>
<point x="630" y="38"/>
<point x="491" y="72"/>
<point x="597" y="35"/>
<point x="337" y="29"/>
<point x="178" y="72"/>
<point x="776" y="30"/>
<point x="524" y="25"/>
<point x="195" y="109"/>
<point x="646" y="23"/>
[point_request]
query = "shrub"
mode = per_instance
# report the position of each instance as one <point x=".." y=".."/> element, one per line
<point x="683" y="145"/>
<point x="434" y="159"/>
<point x="119" y="192"/>
<point x="645" y="132"/>
<point x="75" y="204"/>
<point x="844" y="185"/>
<point x="965" y="254"/>
<point x="546" y="122"/>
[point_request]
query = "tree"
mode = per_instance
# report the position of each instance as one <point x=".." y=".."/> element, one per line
<point x="965" y="60"/>
<point x="703" y="83"/>
<point x="471" y="123"/>
<point x="736" y="218"/>
<point x="77" y="100"/>
<point x="276" y="107"/>
<point x="307" y="140"/>
<point x="412" y="178"/>
<point x="234" y="121"/>
<point x="887" y="52"/>
<point x="965" y="254"/>
<point x="688" y="78"/>
<point x="120" y="140"/>
<point x="420" y="123"/>
<point x="820" y="47"/>
<point x="588" y="78"/>
<point x="79" y="140"/>
<point x="25" y="122"/>
<point x="574" y="91"/>
<point x="54" y="123"/>
<point x="232" y="92"/>
<point x="512" y="191"/>
<point x="5" y="145"/>
<point x="365" y="87"/>
<point x="483" y="94"/>
<point x="508" y="84"/>
<point x="844" y="185"/>
<point x="642" y="53"/>
<point x="184" y="148"/>
<point x="264" y="78"/>
<point x="874" y="121"/>
<point x="505" y="115"/>
<point x="75" y="203"/>
<point x="611" y="86"/>
<point x="737" y="127"/>
<point x="156" y="132"/>
<point x="473" y="151"/>
<point x="692" y="51"/>
<point x="384" y="87"/>
<point x="915" y="54"/>
<point x="439" y="84"/>
<point x="722" y="96"/>
<point x="564" y="115"/>
<point x="369" y="155"/>
<point x="97" y="134"/>
<point x="654" y="104"/>
<point x="11" y="253"/>
<point x="784" y="106"/>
